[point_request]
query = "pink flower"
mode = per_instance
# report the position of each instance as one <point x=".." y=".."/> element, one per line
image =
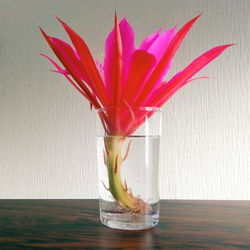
<point x="129" y="77"/>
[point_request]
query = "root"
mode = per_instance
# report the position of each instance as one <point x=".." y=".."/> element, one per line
<point x="118" y="188"/>
<point x="127" y="151"/>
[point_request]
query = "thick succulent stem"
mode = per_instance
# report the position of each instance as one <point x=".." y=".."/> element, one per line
<point x="118" y="188"/>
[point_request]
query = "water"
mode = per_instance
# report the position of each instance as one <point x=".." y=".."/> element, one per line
<point x="140" y="171"/>
<point x="113" y="216"/>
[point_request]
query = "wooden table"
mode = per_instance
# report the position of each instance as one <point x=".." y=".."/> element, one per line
<point x="64" y="224"/>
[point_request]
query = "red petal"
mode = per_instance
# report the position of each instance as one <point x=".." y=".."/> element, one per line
<point x="52" y="61"/>
<point x="170" y="52"/>
<point x="180" y="79"/>
<point x="70" y="55"/>
<point x="141" y="65"/>
<point x="61" y="71"/>
<point x="86" y="58"/>
<point x="68" y="64"/>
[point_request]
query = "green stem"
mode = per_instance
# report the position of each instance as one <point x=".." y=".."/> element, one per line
<point x="118" y="188"/>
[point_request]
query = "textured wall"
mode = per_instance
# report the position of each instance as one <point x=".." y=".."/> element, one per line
<point x="47" y="133"/>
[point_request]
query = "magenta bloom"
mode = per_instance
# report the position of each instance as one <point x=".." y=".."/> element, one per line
<point x="129" y="76"/>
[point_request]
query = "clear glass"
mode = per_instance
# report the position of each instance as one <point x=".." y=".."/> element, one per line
<point x="128" y="159"/>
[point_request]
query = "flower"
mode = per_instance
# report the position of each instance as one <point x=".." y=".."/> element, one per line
<point x="129" y="77"/>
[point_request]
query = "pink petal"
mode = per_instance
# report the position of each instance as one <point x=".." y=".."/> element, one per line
<point x="159" y="46"/>
<point x="127" y="40"/>
<point x="148" y="41"/>
<point x="117" y="66"/>
<point x="127" y="36"/>
<point x="157" y="74"/>
<point x="99" y="66"/>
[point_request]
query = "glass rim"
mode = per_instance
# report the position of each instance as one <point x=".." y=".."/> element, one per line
<point x="131" y="107"/>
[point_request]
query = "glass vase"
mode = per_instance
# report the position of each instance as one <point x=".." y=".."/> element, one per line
<point x="128" y="160"/>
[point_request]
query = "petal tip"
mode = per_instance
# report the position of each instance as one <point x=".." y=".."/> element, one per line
<point x="124" y="20"/>
<point x="232" y="44"/>
<point x="197" y="17"/>
<point x="225" y="46"/>
<point x="44" y="33"/>
<point x="40" y="28"/>
<point x="58" y="19"/>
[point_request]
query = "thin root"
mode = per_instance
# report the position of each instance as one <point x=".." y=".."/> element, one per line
<point x="126" y="187"/>
<point x="116" y="164"/>
<point x="105" y="186"/>
<point x="106" y="146"/>
<point x="105" y="157"/>
<point x="127" y="151"/>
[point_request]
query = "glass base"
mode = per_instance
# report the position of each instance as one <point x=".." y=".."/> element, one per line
<point x="113" y="216"/>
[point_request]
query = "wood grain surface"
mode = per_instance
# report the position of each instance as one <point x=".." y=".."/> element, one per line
<point x="64" y="224"/>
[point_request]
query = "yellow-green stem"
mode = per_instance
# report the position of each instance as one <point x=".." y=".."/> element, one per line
<point x="117" y="187"/>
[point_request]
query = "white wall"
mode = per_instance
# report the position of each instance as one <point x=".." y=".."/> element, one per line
<point x="47" y="133"/>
